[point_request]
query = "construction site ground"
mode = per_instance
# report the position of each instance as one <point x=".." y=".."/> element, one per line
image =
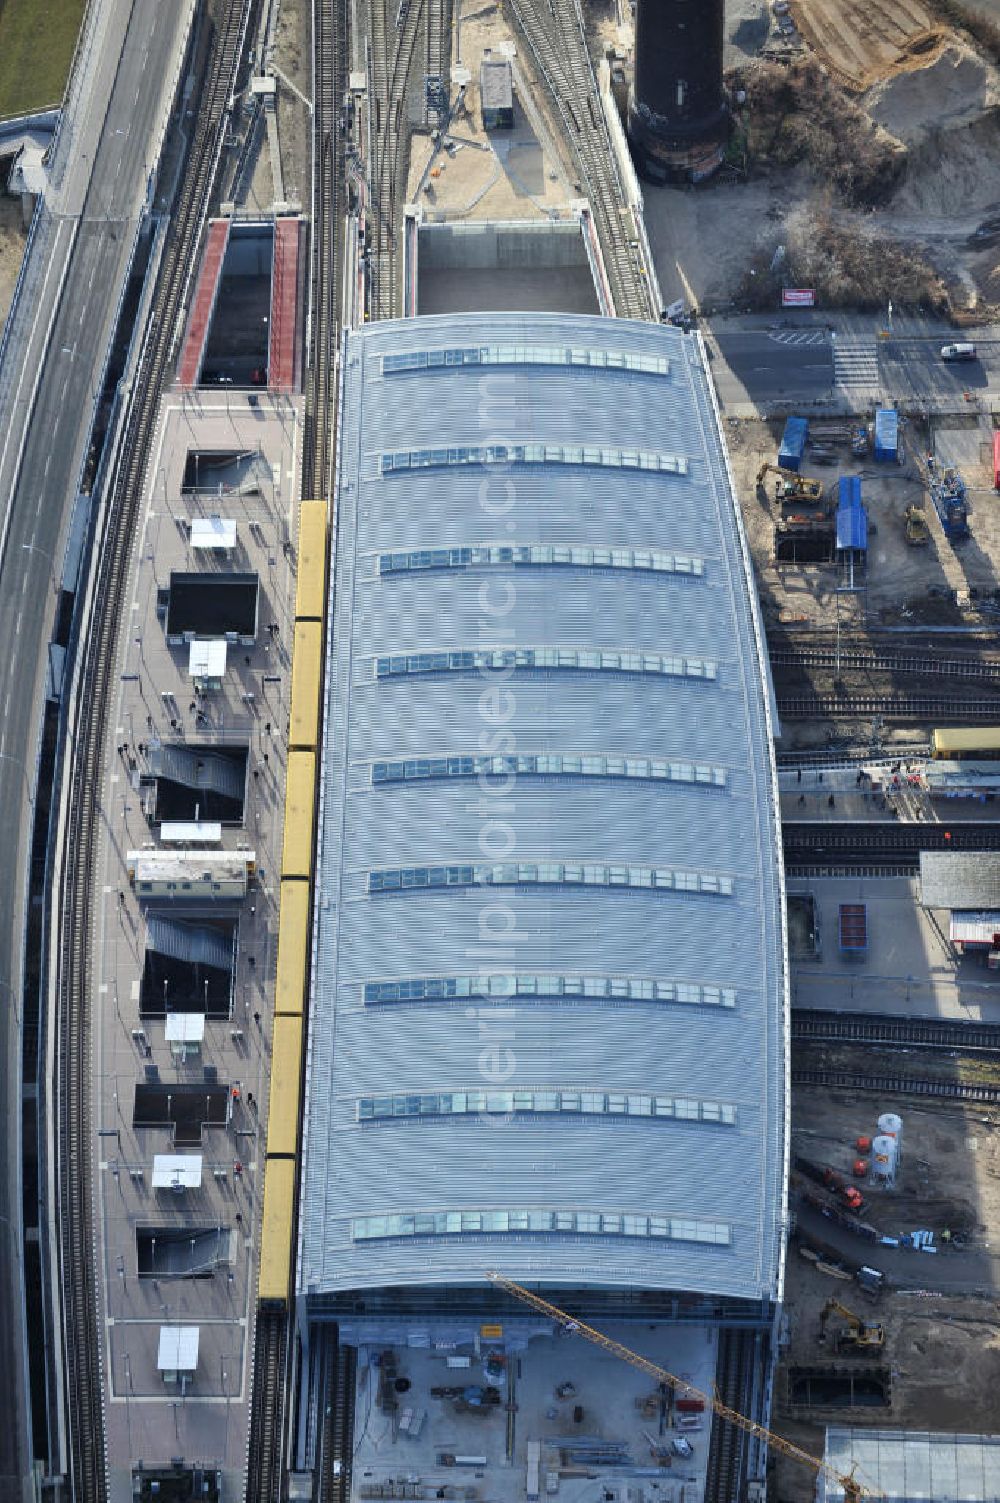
<point x="942" y="1349"/>
<point x="603" y="1407"/>
<point x="903" y="584"/>
<point x="474" y="174"/>
<point x="864" y="41"/>
<point x="926" y="84"/>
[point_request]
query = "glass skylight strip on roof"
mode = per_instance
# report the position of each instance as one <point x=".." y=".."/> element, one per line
<point x="577" y="659"/>
<point x="568" y="765"/>
<point x="540" y="556"/>
<point x="502" y="986"/>
<point x="572" y="1223"/>
<point x="550" y="873"/>
<point x="562" y="1103"/>
<point x="521" y="354"/>
<point x="590" y="455"/>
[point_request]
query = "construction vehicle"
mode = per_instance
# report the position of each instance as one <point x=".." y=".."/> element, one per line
<point x="859" y="1335"/>
<point x="917" y="532"/>
<point x="831" y="1180"/>
<point x="854" y="1491"/>
<point x="791" y="488"/>
<point x="947" y="492"/>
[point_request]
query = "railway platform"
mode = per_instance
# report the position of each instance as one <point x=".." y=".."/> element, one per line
<point x="195" y="756"/>
<point x="909" y="969"/>
<point x="874" y="793"/>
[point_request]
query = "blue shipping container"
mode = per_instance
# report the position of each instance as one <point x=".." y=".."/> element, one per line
<point x="793" y="443"/>
<point x="887" y="435"/>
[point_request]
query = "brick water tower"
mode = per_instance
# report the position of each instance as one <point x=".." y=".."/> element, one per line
<point x="678" y="119"/>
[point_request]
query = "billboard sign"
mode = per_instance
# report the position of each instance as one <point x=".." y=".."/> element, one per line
<point x="798" y="297"/>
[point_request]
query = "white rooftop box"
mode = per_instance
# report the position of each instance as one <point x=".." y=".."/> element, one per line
<point x="178" y="1351"/>
<point x="191" y="832"/>
<point x="177" y="1171"/>
<point x="213" y="532"/>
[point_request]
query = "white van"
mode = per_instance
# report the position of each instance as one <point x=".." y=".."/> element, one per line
<point x="958" y="352"/>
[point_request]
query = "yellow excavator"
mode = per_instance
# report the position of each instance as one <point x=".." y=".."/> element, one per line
<point x="917" y="534"/>
<point x="854" y="1491"/>
<point x="791" y="487"/>
<point x="860" y="1336"/>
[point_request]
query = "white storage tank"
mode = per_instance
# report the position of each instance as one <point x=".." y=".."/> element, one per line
<point x="885" y="1158"/>
<point x="890" y="1125"/>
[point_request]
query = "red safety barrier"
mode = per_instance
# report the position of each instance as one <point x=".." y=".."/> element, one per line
<point x="202" y="308"/>
<point x="281" y="362"/>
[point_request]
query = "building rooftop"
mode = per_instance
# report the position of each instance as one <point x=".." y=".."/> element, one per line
<point x="960" y="879"/>
<point x="547" y="1030"/>
<point x="914" y="1466"/>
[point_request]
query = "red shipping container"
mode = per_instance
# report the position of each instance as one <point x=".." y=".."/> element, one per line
<point x="690" y="1406"/>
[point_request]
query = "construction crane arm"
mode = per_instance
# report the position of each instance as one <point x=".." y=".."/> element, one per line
<point x="853" y="1490"/>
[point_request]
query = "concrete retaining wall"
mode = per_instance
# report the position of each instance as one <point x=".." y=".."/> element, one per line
<point x="41" y="123"/>
<point x="487" y="247"/>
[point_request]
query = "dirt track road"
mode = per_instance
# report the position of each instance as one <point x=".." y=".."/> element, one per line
<point x="864" y="41"/>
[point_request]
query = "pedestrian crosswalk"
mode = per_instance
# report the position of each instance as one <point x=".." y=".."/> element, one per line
<point x="855" y="362"/>
<point x="798" y="336"/>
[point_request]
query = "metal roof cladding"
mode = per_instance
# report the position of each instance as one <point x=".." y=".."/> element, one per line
<point x="549" y="1000"/>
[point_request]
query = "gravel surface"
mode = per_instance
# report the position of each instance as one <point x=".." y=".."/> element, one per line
<point x="12" y="239"/>
<point x="747" y="25"/>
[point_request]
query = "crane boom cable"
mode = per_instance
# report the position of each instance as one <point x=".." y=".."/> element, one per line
<point x="853" y="1490"/>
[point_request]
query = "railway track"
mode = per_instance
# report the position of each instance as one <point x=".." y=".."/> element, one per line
<point x="899" y="1085"/>
<point x="865" y="842"/>
<point x="900" y="1033"/>
<point x="556" y="39"/>
<point x="337" y="1433"/>
<point x="264" y="1458"/>
<point x="437" y="66"/>
<point x="79" y="1273"/>
<point x="851" y="756"/>
<point x="733" y="1385"/>
<point x="885" y="662"/>
<point x="888" y="706"/>
<point x="329" y="83"/>
<point x="396" y="26"/>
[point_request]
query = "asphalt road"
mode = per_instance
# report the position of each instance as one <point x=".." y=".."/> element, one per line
<point x="115" y="152"/>
<point x="912" y="367"/>
<point x="791" y="359"/>
<point x="793" y="363"/>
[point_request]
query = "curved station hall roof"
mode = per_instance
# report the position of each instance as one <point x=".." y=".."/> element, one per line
<point x="548" y="1018"/>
